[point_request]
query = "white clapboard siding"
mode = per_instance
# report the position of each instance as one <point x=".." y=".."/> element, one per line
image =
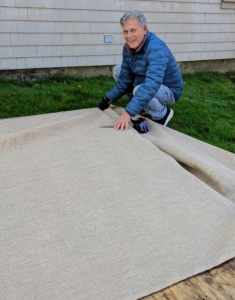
<point x="70" y="33"/>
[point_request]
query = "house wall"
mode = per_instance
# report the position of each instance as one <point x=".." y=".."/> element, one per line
<point x="70" y="33"/>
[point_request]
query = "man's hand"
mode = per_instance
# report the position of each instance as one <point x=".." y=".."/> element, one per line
<point x="141" y="125"/>
<point x="122" y="122"/>
<point x="105" y="103"/>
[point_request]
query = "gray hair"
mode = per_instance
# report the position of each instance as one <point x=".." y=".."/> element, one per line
<point x="133" y="14"/>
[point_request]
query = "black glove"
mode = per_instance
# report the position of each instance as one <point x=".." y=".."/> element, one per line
<point x="105" y="103"/>
<point x="141" y="125"/>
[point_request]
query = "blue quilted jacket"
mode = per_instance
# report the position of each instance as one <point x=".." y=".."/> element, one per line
<point x="152" y="65"/>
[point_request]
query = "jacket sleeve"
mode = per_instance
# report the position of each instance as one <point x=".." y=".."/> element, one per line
<point x="123" y="83"/>
<point x="157" y="60"/>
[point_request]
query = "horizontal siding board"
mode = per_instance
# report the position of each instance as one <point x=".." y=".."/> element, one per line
<point x="5" y="39"/>
<point x="8" y="26"/>
<point x="20" y="63"/>
<point x="3" y="13"/>
<point x="21" y="3"/>
<point x="10" y="2"/>
<point x="6" y="52"/>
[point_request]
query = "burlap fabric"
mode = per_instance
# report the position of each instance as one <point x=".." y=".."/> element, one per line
<point x="94" y="213"/>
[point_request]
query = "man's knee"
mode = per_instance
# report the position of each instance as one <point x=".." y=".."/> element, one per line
<point x="136" y="88"/>
<point x="116" y="72"/>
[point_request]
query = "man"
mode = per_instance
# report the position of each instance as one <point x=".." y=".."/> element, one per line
<point x="149" y="74"/>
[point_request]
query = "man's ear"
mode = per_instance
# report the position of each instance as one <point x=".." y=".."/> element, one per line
<point x="145" y="28"/>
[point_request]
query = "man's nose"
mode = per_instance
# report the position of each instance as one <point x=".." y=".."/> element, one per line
<point x="129" y="34"/>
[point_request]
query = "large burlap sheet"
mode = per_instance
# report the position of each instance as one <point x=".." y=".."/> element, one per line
<point x="94" y="213"/>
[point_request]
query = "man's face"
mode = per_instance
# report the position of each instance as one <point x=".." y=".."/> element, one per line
<point x="134" y="33"/>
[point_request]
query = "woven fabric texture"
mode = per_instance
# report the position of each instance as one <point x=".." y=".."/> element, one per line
<point x="93" y="213"/>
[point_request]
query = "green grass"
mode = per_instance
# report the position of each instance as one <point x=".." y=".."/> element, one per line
<point x="205" y="111"/>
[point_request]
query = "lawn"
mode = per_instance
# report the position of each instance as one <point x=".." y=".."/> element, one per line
<point x="205" y="111"/>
